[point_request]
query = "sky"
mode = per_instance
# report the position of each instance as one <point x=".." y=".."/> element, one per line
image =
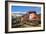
<point x="21" y="9"/>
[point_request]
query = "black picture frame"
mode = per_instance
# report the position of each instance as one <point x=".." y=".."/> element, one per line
<point x="6" y="16"/>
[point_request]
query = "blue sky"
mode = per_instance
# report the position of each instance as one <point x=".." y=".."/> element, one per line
<point x="25" y="9"/>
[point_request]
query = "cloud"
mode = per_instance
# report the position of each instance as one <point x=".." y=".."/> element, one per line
<point x="18" y="12"/>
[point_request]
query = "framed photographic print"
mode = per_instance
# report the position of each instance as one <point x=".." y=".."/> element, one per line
<point x="23" y="16"/>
